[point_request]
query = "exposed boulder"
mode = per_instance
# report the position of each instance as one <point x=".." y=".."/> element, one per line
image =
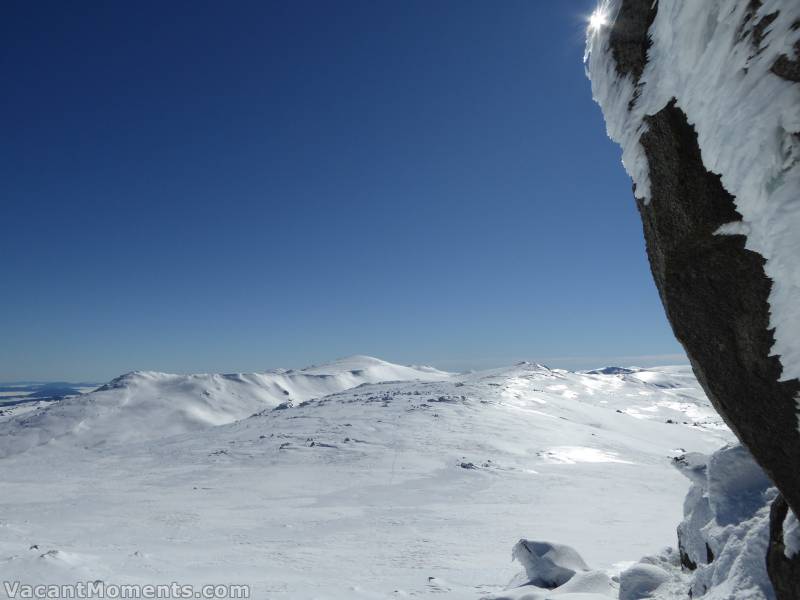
<point x="703" y="99"/>
<point x="715" y="294"/>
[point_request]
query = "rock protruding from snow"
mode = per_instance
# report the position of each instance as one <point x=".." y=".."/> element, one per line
<point x="704" y="99"/>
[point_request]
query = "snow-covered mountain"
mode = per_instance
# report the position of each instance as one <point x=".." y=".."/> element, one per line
<point x="417" y="483"/>
<point x="146" y="405"/>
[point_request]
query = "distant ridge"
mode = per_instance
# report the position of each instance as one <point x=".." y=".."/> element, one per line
<point x="143" y="405"/>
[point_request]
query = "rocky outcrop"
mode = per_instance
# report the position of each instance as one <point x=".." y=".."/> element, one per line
<point x="784" y="571"/>
<point x="714" y="290"/>
<point x="715" y="294"/>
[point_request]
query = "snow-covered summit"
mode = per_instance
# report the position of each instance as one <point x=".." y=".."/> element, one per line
<point x="144" y="405"/>
<point x="612" y="371"/>
<point x="375" y="369"/>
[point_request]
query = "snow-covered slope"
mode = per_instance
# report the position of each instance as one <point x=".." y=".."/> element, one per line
<point x="385" y="490"/>
<point x="147" y="405"/>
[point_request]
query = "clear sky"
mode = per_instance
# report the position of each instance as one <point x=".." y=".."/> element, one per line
<point x="236" y="186"/>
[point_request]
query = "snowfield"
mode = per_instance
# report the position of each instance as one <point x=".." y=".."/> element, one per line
<point x="147" y="405"/>
<point x="357" y="479"/>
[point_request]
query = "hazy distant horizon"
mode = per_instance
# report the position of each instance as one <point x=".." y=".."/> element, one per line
<point x="572" y="363"/>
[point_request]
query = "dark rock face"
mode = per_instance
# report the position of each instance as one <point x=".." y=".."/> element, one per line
<point x="686" y="562"/>
<point x="783" y="572"/>
<point x="630" y="39"/>
<point x="713" y="289"/>
<point x="786" y="67"/>
<point x="715" y="295"/>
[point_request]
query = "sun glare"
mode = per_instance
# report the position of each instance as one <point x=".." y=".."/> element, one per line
<point x="598" y="19"/>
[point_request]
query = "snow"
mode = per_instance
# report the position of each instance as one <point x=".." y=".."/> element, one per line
<point x="726" y="519"/>
<point x="548" y="565"/>
<point x="145" y="405"/>
<point x="570" y="455"/>
<point x="388" y="489"/>
<point x="727" y="514"/>
<point x="791" y="535"/>
<point x="725" y="533"/>
<point x="554" y="570"/>
<point x="744" y="116"/>
<point x="736" y="485"/>
<point x="641" y="581"/>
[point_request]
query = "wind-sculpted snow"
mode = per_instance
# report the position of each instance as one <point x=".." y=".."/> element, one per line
<point x="725" y="532"/>
<point x="147" y="405"/>
<point x="384" y="490"/>
<point x="723" y="539"/>
<point x="555" y="570"/>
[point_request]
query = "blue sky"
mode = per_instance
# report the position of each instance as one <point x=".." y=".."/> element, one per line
<point x="214" y="186"/>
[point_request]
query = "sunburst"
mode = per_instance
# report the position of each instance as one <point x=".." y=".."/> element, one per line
<point x="598" y="19"/>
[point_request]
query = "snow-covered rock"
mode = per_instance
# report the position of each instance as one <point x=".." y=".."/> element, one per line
<point x="641" y="581"/>
<point x="704" y="99"/>
<point x="546" y="564"/>
<point x="718" y="60"/>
